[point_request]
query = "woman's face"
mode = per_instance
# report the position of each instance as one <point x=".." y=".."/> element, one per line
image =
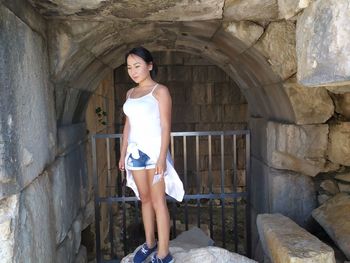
<point x="138" y="69"/>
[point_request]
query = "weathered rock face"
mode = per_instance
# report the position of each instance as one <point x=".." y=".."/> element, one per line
<point x="339" y="143"/>
<point x="342" y="104"/>
<point x="154" y="10"/>
<point x="278" y="46"/>
<point x="253" y="10"/>
<point x="285" y="242"/>
<point x="292" y="195"/>
<point x="334" y="217"/>
<point x="323" y="48"/>
<point x="343" y="177"/>
<point x="297" y="148"/>
<point x="26" y="147"/>
<point x="8" y="218"/>
<point x="192" y="246"/>
<point x="246" y="31"/>
<point x="311" y="106"/>
<point x="289" y="8"/>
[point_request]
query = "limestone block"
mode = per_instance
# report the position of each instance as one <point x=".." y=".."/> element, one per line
<point x="330" y="187"/>
<point x="65" y="251"/>
<point x="323" y="198"/>
<point x="310" y="106"/>
<point x="334" y="217"/>
<point x="36" y="223"/>
<point x="339" y="143"/>
<point x="8" y="216"/>
<point x="286" y="242"/>
<point x="65" y="191"/>
<point x="343" y="177"/>
<point x="252" y="10"/>
<point x="342" y="104"/>
<point x="292" y="195"/>
<point x="28" y="125"/>
<point x="323" y="49"/>
<point x="246" y="31"/>
<point x="338" y="89"/>
<point x="70" y="135"/>
<point x="344" y="188"/>
<point x="297" y="148"/>
<point x="278" y="46"/>
<point x="289" y="8"/>
<point x="159" y="10"/>
<point x="82" y="255"/>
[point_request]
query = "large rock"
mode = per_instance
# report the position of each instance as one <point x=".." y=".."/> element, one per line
<point x="311" y="106"/>
<point x="343" y="177"/>
<point x="66" y="179"/>
<point x="297" y="148"/>
<point x="330" y="187"/>
<point x="35" y="239"/>
<point x="278" y="46"/>
<point x="339" y="143"/>
<point x="200" y="255"/>
<point x="154" y="10"/>
<point x="195" y="246"/>
<point x="286" y="242"/>
<point x="289" y="8"/>
<point x="28" y="125"/>
<point x="246" y="31"/>
<point x="280" y="191"/>
<point x="8" y="218"/>
<point x="323" y="48"/>
<point x="334" y="217"/>
<point x="342" y="104"/>
<point x="292" y="195"/>
<point x="253" y="10"/>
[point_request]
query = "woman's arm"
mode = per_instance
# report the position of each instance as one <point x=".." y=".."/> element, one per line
<point x="124" y="140"/>
<point x="164" y="100"/>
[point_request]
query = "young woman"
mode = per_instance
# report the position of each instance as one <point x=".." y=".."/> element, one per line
<point x="145" y="155"/>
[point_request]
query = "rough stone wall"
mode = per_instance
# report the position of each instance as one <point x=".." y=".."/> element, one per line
<point x="204" y="99"/>
<point x="27" y="147"/>
<point x="43" y="185"/>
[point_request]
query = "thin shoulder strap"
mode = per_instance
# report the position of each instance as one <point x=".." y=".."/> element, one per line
<point x="155" y="86"/>
<point x="131" y="92"/>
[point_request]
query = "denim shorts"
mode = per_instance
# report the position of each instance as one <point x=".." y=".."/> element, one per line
<point x="144" y="162"/>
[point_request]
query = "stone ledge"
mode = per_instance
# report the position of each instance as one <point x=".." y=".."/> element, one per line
<point x="284" y="241"/>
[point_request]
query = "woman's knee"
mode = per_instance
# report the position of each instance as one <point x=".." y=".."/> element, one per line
<point x="158" y="202"/>
<point x="145" y="197"/>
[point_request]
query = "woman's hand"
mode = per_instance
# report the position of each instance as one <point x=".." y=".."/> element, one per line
<point x="121" y="164"/>
<point x="160" y="167"/>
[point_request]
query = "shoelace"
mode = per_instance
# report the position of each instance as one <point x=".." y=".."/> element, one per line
<point x="144" y="250"/>
<point x="156" y="260"/>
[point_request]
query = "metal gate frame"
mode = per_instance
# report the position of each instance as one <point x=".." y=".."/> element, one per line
<point x="222" y="196"/>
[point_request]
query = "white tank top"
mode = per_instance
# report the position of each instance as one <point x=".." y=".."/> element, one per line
<point x="145" y="135"/>
<point x="144" y="118"/>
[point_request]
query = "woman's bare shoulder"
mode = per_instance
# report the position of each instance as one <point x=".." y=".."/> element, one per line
<point x="161" y="90"/>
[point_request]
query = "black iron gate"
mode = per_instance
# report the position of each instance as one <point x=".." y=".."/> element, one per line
<point x="215" y="169"/>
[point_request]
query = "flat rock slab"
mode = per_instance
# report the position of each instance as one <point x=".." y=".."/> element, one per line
<point x="201" y="255"/>
<point x="195" y="246"/>
<point x="334" y="217"/>
<point x="284" y="241"/>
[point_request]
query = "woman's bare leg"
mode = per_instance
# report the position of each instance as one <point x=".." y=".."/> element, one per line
<point x="142" y="183"/>
<point x="161" y="211"/>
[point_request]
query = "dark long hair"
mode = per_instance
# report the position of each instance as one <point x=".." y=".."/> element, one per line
<point x="146" y="56"/>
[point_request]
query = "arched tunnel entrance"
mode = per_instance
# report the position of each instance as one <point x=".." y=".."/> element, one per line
<point x="67" y="53"/>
